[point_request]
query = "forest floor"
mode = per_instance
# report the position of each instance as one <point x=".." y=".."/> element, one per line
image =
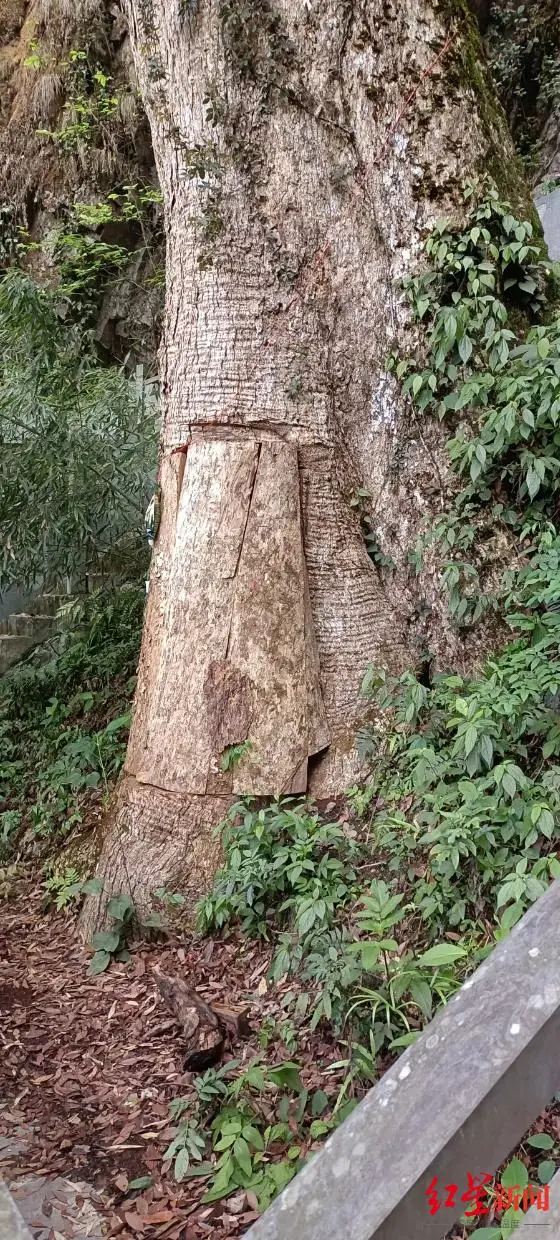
<point x="88" y="1066"/>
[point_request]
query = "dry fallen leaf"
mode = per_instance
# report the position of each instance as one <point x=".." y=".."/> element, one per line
<point x="236" y="1205"/>
<point x="135" y="1222"/>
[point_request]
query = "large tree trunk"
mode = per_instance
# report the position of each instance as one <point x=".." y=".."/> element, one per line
<point x="302" y="148"/>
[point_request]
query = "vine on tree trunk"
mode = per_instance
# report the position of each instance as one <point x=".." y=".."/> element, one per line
<point x="492" y="371"/>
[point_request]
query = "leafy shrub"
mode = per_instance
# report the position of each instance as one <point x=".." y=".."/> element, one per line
<point x="293" y="877"/>
<point x="480" y="804"/>
<point x="466" y="770"/>
<point x="283" y="864"/>
<point x="112" y="944"/>
<point x="85" y="760"/>
<point x="10" y="821"/>
<point x="64" y="887"/>
<point x="91" y="103"/>
<point x="254" y="1126"/>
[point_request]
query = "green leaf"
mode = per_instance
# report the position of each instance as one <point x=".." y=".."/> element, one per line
<point x="421" y="995"/>
<point x="441" y="954"/>
<point x="256" y="1078"/>
<point x="546" y="1170"/>
<point x="512" y="915"/>
<point x="143" y="1181"/>
<point x="286" y="1075"/>
<point x="406" y="1039"/>
<point x="99" y="963"/>
<point x="319" y="1102"/>
<point x="486" y="750"/>
<point x="115" y="725"/>
<point x="541" y="1141"/>
<point x="223" y="1182"/>
<point x="92" y="887"/>
<point x="106" y="940"/>
<point x="512" y="888"/>
<point x="486" y="1233"/>
<point x="369" y="952"/>
<point x="242" y="1156"/>
<point x="119" y="906"/>
<point x="533" y="481"/>
<point x="253" y="1136"/>
<point x="470" y="739"/>
<point x="203" y="1170"/>
<point x="181" y="1164"/>
<point x="226" y="1141"/>
<point x="515" y="1173"/>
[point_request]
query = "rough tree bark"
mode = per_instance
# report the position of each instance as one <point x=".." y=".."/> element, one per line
<point x="302" y="146"/>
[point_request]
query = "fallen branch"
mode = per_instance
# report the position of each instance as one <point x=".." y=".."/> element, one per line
<point x="204" y="1027"/>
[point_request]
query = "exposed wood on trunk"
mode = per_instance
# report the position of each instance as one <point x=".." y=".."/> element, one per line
<point x="233" y="617"/>
<point x="190" y="620"/>
<point x="267" y="637"/>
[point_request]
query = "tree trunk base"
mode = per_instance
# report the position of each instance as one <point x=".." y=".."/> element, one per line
<point x="157" y="839"/>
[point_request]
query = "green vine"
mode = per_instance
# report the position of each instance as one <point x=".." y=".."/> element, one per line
<point x="492" y="373"/>
<point x="255" y="42"/>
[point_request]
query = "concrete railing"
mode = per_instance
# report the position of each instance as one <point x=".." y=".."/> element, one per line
<point x="455" y="1104"/>
<point x="12" y="1226"/>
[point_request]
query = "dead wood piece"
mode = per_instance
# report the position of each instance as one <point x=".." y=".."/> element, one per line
<point x="234" y="1019"/>
<point x="201" y="1026"/>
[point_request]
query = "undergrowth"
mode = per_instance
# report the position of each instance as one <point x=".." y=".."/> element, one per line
<point x="256" y="1123"/>
<point x="64" y="719"/>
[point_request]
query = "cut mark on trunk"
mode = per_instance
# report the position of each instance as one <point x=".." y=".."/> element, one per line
<point x="239" y="432"/>
<point x="233" y="656"/>
<point x="242" y="540"/>
<point x="181" y="458"/>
